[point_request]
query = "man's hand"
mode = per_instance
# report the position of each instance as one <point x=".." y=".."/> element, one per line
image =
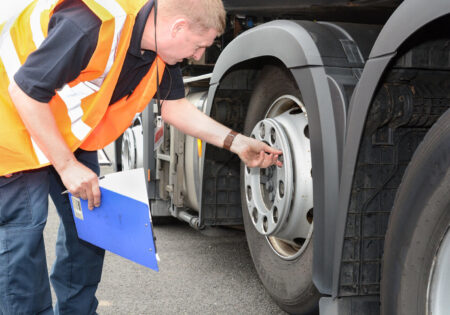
<point x="81" y="182"/>
<point x="255" y="153"/>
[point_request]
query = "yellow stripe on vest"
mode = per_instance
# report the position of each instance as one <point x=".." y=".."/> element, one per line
<point x="8" y="52"/>
<point x="39" y="21"/>
<point x="21" y="34"/>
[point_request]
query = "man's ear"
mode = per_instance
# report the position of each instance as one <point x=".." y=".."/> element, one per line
<point x="178" y="26"/>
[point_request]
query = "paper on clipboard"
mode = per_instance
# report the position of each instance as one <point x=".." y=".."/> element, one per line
<point x="130" y="183"/>
<point x="122" y="223"/>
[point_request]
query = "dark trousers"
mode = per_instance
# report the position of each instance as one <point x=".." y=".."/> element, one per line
<point x="24" y="281"/>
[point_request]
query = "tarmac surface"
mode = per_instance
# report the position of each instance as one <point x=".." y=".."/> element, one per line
<point x="201" y="272"/>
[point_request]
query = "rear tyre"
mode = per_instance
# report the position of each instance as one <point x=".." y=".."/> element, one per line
<point x="118" y="154"/>
<point x="282" y="260"/>
<point x="416" y="277"/>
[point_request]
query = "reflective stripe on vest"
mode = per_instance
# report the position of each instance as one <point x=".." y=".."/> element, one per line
<point x="81" y="107"/>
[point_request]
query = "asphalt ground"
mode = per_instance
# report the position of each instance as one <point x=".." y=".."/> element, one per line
<point x="201" y="272"/>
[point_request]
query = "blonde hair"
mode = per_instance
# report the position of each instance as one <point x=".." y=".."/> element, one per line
<point x="205" y="14"/>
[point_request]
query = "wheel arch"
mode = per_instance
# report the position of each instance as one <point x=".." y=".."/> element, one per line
<point x="298" y="47"/>
<point x="397" y="33"/>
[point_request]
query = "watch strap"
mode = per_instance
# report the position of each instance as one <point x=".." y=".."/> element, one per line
<point x="229" y="139"/>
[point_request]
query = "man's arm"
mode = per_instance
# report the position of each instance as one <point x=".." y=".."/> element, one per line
<point x="41" y="125"/>
<point x="186" y="117"/>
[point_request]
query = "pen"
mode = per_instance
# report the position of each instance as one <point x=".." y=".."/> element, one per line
<point x="66" y="191"/>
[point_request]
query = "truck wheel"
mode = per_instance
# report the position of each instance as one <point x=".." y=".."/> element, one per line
<point x="132" y="146"/>
<point x="416" y="274"/>
<point x="277" y="202"/>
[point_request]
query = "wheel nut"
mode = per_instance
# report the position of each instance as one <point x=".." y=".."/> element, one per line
<point x="281" y="189"/>
<point x="262" y="131"/>
<point x="255" y="215"/>
<point x="275" y="214"/>
<point x="272" y="136"/>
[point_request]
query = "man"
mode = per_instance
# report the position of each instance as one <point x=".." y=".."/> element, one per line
<point x="77" y="72"/>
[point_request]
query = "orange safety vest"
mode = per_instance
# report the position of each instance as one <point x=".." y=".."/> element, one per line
<point x="81" y="108"/>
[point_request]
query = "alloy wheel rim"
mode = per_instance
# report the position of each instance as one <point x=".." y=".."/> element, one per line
<point x="279" y="200"/>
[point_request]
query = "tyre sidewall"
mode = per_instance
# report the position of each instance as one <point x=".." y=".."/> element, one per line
<point x="419" y="221"/>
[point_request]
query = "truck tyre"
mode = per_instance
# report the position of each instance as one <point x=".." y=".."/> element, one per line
<point x="284" y="267"/>
<point x="118" y="154"/>
<point x="415" y="270"/>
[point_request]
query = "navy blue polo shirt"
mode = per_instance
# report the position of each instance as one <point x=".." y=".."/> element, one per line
<point x="72" y="38"/>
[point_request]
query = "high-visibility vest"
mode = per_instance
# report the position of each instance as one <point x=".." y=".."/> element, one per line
<point x="81" y="108"/>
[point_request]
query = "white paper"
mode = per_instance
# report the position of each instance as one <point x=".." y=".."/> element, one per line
<point x="130" y="183"/>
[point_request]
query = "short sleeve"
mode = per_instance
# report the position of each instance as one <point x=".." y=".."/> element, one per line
<point x="172" y="87"/>
<point x="65" y="52"/>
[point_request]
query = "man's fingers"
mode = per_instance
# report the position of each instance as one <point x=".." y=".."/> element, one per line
<point x="267" y="161"/>
<point x="96" y="193"/>
<point x="82" y="194"/>
<point x="275" y="159"/>
<point x="271" y="159"/>
<point x="75" y="194"/>
<point x="272" y="150"/>
<point x="97" y="198"/>
<point x="277" y="162"/>
<point x="90" y="198"/>
<point x="264" y="159"/>
<point x="94" y="196"/>
<point x="259" y="160"/>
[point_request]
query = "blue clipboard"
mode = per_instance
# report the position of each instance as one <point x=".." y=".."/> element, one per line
<point x="120" y="225"/>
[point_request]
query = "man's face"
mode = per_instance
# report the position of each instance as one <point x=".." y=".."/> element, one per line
<point x="185" y="42"/>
